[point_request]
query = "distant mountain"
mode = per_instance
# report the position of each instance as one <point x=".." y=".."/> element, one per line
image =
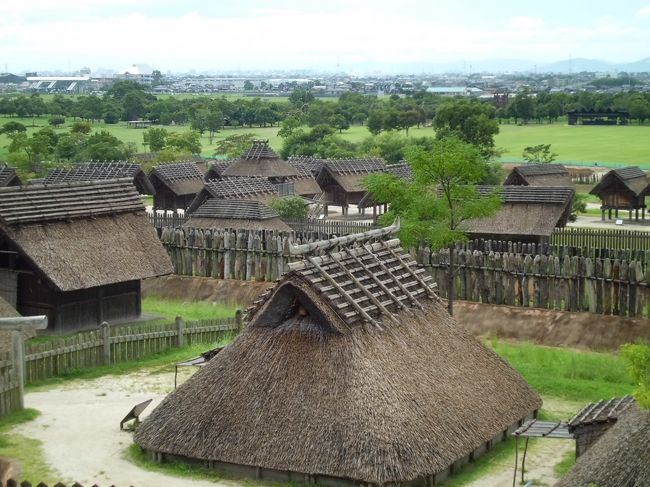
<point x="595" y="66"/>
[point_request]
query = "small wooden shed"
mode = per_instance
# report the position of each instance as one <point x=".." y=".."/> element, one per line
<point x="101" y="170"/>
<point x="176" y="185"/>
<point x="78" y="251"/>
<point x="539" y="175"/>
<point x="623" y="189"/>
<point x="8" y="176"/>
<point x="236" y="214"/>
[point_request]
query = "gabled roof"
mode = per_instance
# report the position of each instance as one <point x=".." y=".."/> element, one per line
<point x="630" y="179"/>
<point x="216" y="168"/>
<point x="400" y="170"/>
<point x="239" y="214"/>
<point x="539" y="175"/>
<point x="181" y="178"/>
<point x="348" y="173"/>
<point x="390" y="397"/>
<point x="547" y="195"/>
<point x="101" y="170"/>
<point x="8" y="176"/>
<point x="83" y="235"/>
<point x="312" y="164"/>
<point x="618" y="458"/>
<point x="260" y="161"/>
<point x="601" y="412"/>
<point x="235" y="188"/>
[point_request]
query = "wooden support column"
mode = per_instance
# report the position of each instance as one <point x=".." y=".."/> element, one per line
<point x="106" y="341"/>
<point x="180" y="328"/>
<point x="100" y="308"/>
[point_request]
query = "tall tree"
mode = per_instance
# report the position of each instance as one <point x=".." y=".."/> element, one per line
<point x="539" y="154"/>
<point x="435" y="207"/>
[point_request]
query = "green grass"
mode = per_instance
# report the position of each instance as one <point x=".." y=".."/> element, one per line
<point x="158" y="363"/>
<point x="189" y="310"/>
<point x="27" y="451"/>
<point x="566" y="373"/>
<point x="135" y="455"/>
<point x="565" y="465"/>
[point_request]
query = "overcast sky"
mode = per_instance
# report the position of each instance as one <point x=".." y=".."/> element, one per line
<point x="173" y="35"/>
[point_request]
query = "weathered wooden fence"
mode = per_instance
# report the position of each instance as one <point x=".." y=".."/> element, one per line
<point x="596" y="238"/>
<point x="120" y="344"/>
<point x="329" y="228"/>
<point x="598" y="285"/>
<point x="25" y="483"/>
<point x="9" y="389"/>
<point x="160" y="219"/>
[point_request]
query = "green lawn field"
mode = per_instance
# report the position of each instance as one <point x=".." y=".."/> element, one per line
<point x="585" y="145"/>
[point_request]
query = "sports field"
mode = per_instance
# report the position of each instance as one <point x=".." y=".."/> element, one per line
<point x="588" y="145"/>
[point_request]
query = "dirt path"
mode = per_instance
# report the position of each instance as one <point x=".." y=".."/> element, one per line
<point x="79" y="429"/>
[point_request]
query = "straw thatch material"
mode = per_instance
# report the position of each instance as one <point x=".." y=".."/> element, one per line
<point x="259" y="189"/>
<point x="348" y="173"/>
<point x="8" y="176"/>
<point x="308" y="387"/>
<point x="101" y="170"/>
<point x="401" y="170"/>
<point x="260" y="161"/>
<point x="216" y="168"/>
<point x="312" y="164"/>
<point x="182" y="178"/>
<point x="236" y="214"/>
<point x="83" y="235"/>
<point x="7" y="310"/>
<point x="620" y="458"/>
<point x="539" y="175"/>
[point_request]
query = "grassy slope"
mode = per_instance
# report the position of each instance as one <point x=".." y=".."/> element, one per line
<point x="189" y="310"/>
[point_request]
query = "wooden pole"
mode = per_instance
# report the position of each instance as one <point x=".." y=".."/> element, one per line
<point x="106" y="340"/>
<point x="180" y="327"/>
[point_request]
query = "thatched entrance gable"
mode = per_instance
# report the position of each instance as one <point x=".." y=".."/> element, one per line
<point x="232" y="188"/>
<point x="260" y="161"/>
<point x="180" y="178"/>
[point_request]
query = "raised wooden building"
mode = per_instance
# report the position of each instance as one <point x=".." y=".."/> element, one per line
<point x="373" y="383"/>
<point x="98" y="171"/>
<point x="76" y="252"/>
<point x="235" y="188"/>
<point x="176" y="185"/>
<point x="623" y="189"/>
<point x="539" y="175"/>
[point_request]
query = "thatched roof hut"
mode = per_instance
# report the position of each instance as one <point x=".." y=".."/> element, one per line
<point x="236" y="214"/>
<point x="176" y="185"/>
<point x="101" y="170"/>
<point x="8" y="176"/>
<point x="539" y="175"/>
<point x="340" y="179"/>
<point x="350" y="370"/>
<point x="81" y="250"/>
<point x="620" y="458"/>
<point x="7" y="310"/>
<point x="623" y="189"/>
<point x="216" y="168"/>
<point x="260" y="161"/>
<point x="528" y="213"/>
<point x="401" y="170"/>
<point x="312" y="164"/>
<point x="233" y="188"/>
<point x="304" y="183"/>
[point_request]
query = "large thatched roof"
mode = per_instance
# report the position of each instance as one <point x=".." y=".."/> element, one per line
<point x="97" y="171"/>
<point x="312" y="164"/>
<point x="348" y="173"/>
<point x="82" y="235"/>
<point x="260" y="161"/>
<point x="232" y="188"/>
<point x="8" y="176"/>
<point x="181" y="178"/>
<point x="620" y="458"/>
<point x="216" y="168"/>
<point x="630" y="180"/>
<point x="539" y="175"/>
<point x="304" y="182"/>
<point x="526" y="211"/>
<point x="349" y="368"/>
<point x="7" y="310"/>
<point x="239" y="214"/>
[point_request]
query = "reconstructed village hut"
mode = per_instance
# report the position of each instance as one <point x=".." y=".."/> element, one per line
<point x="312" y="164"/>
<point x="236" y="214"/>
<point x="216" y="169"/>
<point x="234" y="188"/>
<point x="76" y="252"/>
<point x="400" y="170"/>
<point x="623" y="189"/>
<point x="98" y="171"/>
<point x="341" y="180"/>
<point x="539" y="175"/>
<point x="621" y="457"/>
<point x="350" y="370"/>
<point x="176" y="185"/>
<point x="8" y="176"/>
<point x="528" y="213"/>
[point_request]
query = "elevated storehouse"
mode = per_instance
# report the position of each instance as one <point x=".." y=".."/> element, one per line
<point x="539" y="175"/>
<point x="8" y="176"/>
<point x="623" y="189"/>
<point x="76" y="252"/>
<point x="236" y="214"/>
<point x="341" y="180"/>
<point x="349" y="372"/>
<point x="400" y="170"/>
<point x="176" y="185"/>
<point x="98" y="171"/>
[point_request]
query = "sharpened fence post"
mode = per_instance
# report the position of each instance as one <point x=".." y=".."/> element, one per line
<point x="106" y="340"/>
<point x="180" y="327"/>
<point x="18" y="349"/>
<point x="238" y="320"/>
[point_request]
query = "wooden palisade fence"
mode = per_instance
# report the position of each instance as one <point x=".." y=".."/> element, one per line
<point x="610" y="286"/>
<point x="597" y="238"/>
<point x="25" y="483"/>
<point x="9" y="389"/>
<point x="120" y="344"/>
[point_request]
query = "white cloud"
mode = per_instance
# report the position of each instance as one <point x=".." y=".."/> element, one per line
<point x="644" y="12"/>
<point x="526" y="23"/>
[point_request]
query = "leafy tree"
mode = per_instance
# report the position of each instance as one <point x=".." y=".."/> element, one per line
<point x="155" y="138"/>
<point x="290" y="208"/>
<point x="539" y="154"/>
<point x="638" y="358"/>
<point x="301" y="98"/>
<point x="471" y="121"/>
<point x="156" y="77"/>
<point x="103" y="146"/>
<point x="80" y="128"/>
<point x="12" y="127"/>
<point x="248" y="85"/>
<point x="184" y="142"/>
<point x="289" y="124"/>
<point x="579" y="205"/>
<point x="69" y="146"/>
<point x="56" y="120"/>
<point x="442" y="197"/>
<point x="234" y="145"/>
<point x="339" y="122"/>
<point x="375" y="121"/>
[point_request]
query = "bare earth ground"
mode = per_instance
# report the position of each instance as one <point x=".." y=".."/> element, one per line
<point x="80" y="435"/>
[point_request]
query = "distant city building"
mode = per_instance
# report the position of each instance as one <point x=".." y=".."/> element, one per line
<point x="142" y="73"/>
<point x="59" y="84"/>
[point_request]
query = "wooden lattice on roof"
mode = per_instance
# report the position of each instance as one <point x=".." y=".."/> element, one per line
<point x="400" y="170"/>
<point x="355" y="166"/>
<point x="182" y="171"/>
<point x="313" y="164"/>
<point x="260" y="150"/>
<point x="601" y="411"/>
<point x="8" y="176"/>
<point x="239" y="187"/>
<point x="216" y="168"/>
<point x="558" y="195"/>
<point x="43" y="203"/>
<point x="234" y="209"/>
<point x="89" y="171"/>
